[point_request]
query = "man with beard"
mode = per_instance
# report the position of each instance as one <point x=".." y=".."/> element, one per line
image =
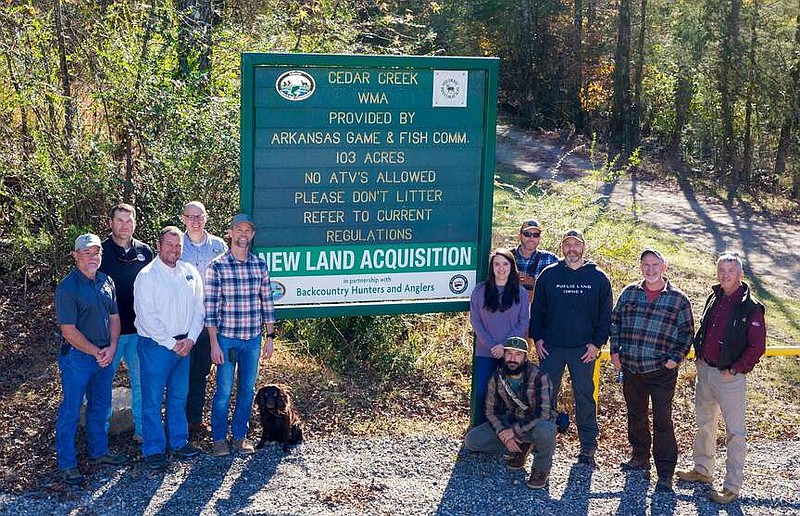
<point x="169" y="317"/>
<point x="124" y="258"/>
<point x="199" y="248"/>
<point x="520" y="415"/>
<point x="570" y="319"/>
<point x="731" y="340"/>
<point x="88" y="327"/>
<point x="238" y="302"/>
<point x="651" y="331"/>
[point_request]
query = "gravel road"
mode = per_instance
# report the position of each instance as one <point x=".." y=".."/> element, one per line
<point x="402" y="476"/>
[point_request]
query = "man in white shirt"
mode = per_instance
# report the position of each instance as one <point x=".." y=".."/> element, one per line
<point x="168" y="300"/>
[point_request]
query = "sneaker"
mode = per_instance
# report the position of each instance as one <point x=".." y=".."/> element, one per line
<point x="155" y="461"/>
<point x="538" y="479"/>
<point x="636" y="464"/>
<point x="693" y="475"/>
<point x="664" y="485"/>
<point x="220" y="448"/>
<point x="243" y="446"/>
<point x="117" y="459"/>
<point x="517" y="460"/>
<point x="725" y="496"/>
<point x="186" y="451"/>
<point x="72" y="477"/>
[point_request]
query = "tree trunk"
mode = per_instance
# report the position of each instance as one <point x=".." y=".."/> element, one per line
<point x="577" y="78"/>
<point x="747" y="158"/>
<point x="194" y="39"/>
<point x="66" y="81"/>
<point x="729" y="60"/>
<point x="621" y="104"/>
<point x="26" y="143"/>
<point x="684" y="89"/>
<point x="636" y="112"/>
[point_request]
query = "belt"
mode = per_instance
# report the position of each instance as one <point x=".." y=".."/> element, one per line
<point x="181" y="336"/>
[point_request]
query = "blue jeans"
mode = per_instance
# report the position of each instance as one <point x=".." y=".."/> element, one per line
<point x="163" y="369"/>
<point x="243" y="355"/>
<point x="582" y="390"/>
<point x="126" y="348"/>
<point x="81" y="376"/>
<point x="482" y="369"/>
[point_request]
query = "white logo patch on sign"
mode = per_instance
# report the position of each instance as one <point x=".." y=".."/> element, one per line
<point x="450" y="88"/>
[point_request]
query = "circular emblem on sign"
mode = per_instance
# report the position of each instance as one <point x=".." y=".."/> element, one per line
<point x="458" y="284"/>
<point x="450" y="88"/>
<point x="295" y="85"/>
<point x="278" y="290"/>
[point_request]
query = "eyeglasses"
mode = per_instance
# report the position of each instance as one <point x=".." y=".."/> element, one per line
<point x="194" y="217"/>
<point x="531" y="235"/>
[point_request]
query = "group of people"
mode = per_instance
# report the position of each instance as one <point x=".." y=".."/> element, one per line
<point x="169" y="315"/>
<point x="651" y="330"/>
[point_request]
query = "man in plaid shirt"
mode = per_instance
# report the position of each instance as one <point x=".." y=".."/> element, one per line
<point x="651" y="332"/>
<point x="519" y="409"/>
<point x="238" y="303"/>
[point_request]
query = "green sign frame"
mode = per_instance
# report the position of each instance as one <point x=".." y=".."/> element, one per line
<point x="279" y="140"/>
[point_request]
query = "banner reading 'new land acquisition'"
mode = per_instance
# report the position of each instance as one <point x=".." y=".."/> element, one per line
<point x="369" y="178"/>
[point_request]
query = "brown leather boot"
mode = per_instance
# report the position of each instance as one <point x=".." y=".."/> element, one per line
<point x="517" y="461"/>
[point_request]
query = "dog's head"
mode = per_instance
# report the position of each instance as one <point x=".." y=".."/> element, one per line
<point x="274" y="397"/>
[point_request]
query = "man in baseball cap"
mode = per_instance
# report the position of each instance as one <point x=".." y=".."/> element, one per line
<point x="88" y="330"/>
<point x="520" y="415"/>
<point x="530" y="260"/>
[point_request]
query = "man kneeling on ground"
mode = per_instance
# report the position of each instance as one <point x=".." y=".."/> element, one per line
<point x="521" y="418"/>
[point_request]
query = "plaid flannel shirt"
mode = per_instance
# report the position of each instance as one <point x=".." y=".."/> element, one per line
<point x="645" y="334"/>
<point x="525" y="265"/>
<point x="535" y="392"/>
<point x="238" y="298"/>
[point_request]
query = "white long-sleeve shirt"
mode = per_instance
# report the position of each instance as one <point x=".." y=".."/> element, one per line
<point x="168" y="301"/>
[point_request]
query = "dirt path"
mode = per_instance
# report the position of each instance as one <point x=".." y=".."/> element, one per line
<point x="768" y="245"/>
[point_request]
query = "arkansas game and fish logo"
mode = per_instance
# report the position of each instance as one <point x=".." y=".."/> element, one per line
<point x="295" y="85"/>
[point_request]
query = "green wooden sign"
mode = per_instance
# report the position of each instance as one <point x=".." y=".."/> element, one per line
<point x="369" y="178"/>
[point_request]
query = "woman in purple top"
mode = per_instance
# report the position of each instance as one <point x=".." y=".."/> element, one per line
<point x="498" y="310"/>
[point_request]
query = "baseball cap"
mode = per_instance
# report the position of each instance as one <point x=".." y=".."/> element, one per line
<point x="652" y="251"/>
<point x="87" y="240"/>
<point x="239" y="218"/>
<point x="531" y="223"/>
<point x="574" y="233"/>
<point x="516" y="343"/>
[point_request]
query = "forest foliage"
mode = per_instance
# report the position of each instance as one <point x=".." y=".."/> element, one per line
<point x="120" y="100"/>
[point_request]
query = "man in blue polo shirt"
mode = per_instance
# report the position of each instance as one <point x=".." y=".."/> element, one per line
<point x="199" y="248"/>
<point x="124" y="258"/>
<point x="88" y="323"/>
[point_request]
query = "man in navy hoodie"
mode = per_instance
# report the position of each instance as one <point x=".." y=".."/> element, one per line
<point x="570" y="321"/>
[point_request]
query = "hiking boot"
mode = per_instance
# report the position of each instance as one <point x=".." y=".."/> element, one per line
<point x="587" y="459"/>
<point x="72" y="477"/>
<point x="538" y="479"/>
<point x="220" y="448"/>
<point x="693" y="475"/>
<point x="243" y="446"/>
<point x="517" y="460"/>
<point x="724" y="497"/>
<point x="186" y="451"/>
<point x="117" y="459"/>
<point x="155" y="461"/>
<point x="636" y="464"/>
<point x="664" y="485"/>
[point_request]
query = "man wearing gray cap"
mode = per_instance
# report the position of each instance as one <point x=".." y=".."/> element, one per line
<point x="520" y="415"/>
<point x="238" y="303"/>
<point x="651" y="331"/>
<point x="88" y="329"/>
<point x="530" y="260"/>
<point x="570" y="317"/>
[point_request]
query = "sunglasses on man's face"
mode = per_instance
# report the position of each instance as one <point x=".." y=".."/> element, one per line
<point x="530" y="234"/>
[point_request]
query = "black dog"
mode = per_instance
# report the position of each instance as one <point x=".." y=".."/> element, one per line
<point x="279" y="421"/>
